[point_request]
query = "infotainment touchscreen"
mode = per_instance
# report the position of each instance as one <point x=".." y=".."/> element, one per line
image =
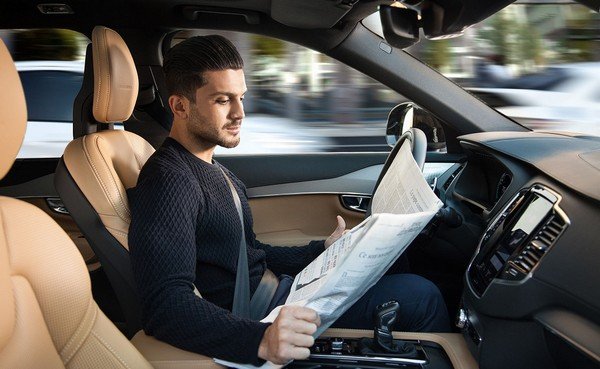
<point x="530" y="218"/>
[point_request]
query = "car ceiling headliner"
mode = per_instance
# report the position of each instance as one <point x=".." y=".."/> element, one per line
<point x="167" y="13"/>
<point x="325" y="23"/>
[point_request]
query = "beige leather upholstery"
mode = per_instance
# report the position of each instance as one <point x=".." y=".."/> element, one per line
<point x="104" y="165"/>
<point x="66" y="222"/>
<point x="12" y="111"/>
<point x="48" y="318"/>
<point x="453" y="343"/>
<point x="296" y="228"/>
<point x="115" y="77"/>
<point x="164" y="356"/>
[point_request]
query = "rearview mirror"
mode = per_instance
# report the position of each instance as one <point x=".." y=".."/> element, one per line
<point x="409" y="115"/>
<point x="400" y="26"/>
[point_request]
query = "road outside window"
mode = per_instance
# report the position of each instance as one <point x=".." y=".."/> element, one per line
<point x="50" y="65"/>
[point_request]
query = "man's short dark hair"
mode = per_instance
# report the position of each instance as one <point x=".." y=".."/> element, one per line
<point x="186" y="62"/>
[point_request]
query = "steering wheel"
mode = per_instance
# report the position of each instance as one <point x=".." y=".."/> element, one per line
<point x="418" y="143"/>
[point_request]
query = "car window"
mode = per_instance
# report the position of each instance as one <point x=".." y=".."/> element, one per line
<point x="300" y="100"/>
<point x="523" y="60"/>
<point x="50" y="65"/>
<point x="50" y="94"/>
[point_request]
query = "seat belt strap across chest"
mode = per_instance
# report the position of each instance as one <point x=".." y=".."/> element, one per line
<point x="241" y="296"/>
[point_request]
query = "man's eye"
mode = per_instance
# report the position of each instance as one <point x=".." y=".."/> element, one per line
<point x="222" y="102"/>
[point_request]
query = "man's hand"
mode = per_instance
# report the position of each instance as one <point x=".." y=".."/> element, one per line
<point x="337" y="233"/>
<point x="290" y="335"/>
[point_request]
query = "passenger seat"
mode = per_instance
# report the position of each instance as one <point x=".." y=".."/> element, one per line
<point x="48" y="318"/>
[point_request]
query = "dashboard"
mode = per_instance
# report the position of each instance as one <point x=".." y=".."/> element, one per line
<point x="532" y="294"/>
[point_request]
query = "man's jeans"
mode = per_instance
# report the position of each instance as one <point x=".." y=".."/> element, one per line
<point x="422" y="307"/>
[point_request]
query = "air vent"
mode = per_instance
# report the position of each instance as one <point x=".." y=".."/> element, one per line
<point x="539" y="245"/>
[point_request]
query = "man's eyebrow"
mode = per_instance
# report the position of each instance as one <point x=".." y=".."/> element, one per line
<point x="226" y="93"/>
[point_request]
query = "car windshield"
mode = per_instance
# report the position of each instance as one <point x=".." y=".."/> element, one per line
<point x="538" y="64"/>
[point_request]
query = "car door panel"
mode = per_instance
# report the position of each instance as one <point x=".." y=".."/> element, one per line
<point x="296" y="199"/>
<point x="295" y="220"/>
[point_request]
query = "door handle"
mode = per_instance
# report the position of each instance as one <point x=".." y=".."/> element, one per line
<point x="358" y="203"/>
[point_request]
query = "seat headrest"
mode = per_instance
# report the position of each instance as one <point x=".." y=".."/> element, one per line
<point x="13" y="111"/>
<point x="115" y="77"/>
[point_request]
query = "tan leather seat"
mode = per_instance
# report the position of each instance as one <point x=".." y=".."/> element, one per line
<point x="101" y="163"/>
<point x="95" y="171"/>
<point x="48" y="318"/>
<point x="105" y="163"/>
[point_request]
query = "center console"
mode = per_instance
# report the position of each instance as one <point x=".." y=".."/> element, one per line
<point x="350" y="352"/>
<point x="499" y="278"/>
<point x="517" y="239"/>
<point x="382" y="348"/>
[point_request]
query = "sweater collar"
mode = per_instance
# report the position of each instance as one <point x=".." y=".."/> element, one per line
<point x="171" y="142"/>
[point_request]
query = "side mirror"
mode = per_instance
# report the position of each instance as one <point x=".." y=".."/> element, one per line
<point x="399" y="121"/>
<point x="408" y="115"/>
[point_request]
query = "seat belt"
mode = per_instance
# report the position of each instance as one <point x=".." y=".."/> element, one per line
<point x="242" y="305"/>
<point x="241" y="296"/>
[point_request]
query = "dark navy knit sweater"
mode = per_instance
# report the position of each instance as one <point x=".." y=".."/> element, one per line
<point x="185" y="231"/>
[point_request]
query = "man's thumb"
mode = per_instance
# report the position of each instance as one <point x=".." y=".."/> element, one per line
<point x="341" y="226"/>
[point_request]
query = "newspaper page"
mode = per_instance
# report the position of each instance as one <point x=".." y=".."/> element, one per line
<point x="402" y="206"/>
<point x="403" y="189"/>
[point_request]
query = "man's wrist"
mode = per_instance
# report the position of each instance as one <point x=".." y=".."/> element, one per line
<point x="263" y="346"/>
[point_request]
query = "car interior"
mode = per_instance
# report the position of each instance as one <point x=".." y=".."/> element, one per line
<point x="514" y="250"/>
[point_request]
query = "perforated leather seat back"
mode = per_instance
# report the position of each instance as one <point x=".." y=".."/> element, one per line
<point x="104" y="165"/>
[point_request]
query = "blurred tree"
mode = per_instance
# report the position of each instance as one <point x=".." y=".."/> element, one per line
<point x="266" y="46"/>
<point x="436" y="53"/>
<point x="580" y="39"/>
<point x="528" y="45"/>
<point x="48" y="44"/>
<point x="512" y="42"/>
<point x="499" y="33"/>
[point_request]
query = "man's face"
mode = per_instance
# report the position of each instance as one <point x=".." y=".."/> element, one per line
<point x="216" y="117"/>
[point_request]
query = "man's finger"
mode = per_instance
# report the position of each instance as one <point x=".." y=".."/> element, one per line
<point x="302" y="326"/>
<point x="306" y="314"/>
<point x="301" y="340"/>
<point x="299" y="353"/>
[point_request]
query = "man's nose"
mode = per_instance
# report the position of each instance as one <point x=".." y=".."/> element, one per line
<point x="237" y="110"/>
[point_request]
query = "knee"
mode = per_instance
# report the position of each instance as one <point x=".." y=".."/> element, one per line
<point x="431" y="292"/>
<point x="423" y="289"/>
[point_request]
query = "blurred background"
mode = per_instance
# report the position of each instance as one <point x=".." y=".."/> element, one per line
<point x="537" y="62"/>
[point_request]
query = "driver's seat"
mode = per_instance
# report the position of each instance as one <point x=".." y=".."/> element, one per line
<point x="101" y="163"/>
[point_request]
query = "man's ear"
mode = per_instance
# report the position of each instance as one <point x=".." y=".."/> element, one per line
<point x="180" y="106"/>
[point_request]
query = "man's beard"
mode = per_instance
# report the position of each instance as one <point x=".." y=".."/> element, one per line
<point x="205" y="134"/>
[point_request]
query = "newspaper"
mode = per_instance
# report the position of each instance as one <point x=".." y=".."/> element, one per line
<point x="402" y="206"/>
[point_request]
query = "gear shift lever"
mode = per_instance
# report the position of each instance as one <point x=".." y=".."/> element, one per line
<point x="383" y="342"/>
<point x="385" y="316"/>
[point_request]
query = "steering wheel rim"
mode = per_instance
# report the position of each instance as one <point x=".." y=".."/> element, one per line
<point x="418" y="144"/>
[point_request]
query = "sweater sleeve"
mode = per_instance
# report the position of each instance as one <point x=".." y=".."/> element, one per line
<point x="290" y="260"/>
<point x="165" y="208"/>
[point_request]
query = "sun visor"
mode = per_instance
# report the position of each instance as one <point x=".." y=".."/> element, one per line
<point x="310" y="14"/>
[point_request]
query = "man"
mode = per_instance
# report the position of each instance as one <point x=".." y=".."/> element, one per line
<point x="185" y="230"/>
